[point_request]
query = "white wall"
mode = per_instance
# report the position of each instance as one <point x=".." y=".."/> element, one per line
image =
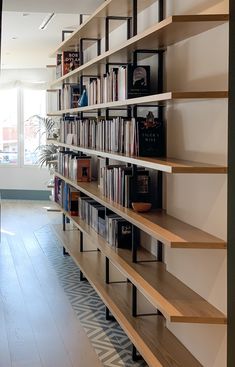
<point x="197" y="131"/>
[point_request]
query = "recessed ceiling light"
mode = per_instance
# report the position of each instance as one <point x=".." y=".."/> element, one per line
<point x="25" y="14"/>
<point x="46" y="21"/>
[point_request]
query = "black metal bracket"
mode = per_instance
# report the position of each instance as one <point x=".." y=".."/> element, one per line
<point x="81" y="242"/>
<point x="135" y="243"/>
<point x="65" y="252"/>
<point x="106" y="270"/>
<point x="82" y="40"/>
<point x="64" y="229"/>
<point x="107" y="20"/>
<point x="135" y="306"/>
<point x="160" y="10"/>
<point x="82" y="278"/>
<point x="135" y="356"/>
<point x="108" y="316"/>
<point x="64" y="33"/>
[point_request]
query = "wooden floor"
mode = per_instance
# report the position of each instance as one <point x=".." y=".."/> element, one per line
<point x="38" y="327"/>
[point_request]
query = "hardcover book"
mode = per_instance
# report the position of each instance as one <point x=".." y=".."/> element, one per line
<point x="150" y="136"/>
<point x="123" y="234"/>
<point x="70" y="61"/>
<point x="138" y="83"/>
<point x="75" y="92"/>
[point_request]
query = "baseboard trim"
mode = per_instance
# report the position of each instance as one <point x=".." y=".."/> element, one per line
<point x="25" y="194"/>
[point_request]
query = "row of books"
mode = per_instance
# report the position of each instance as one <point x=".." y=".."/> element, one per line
<point x="75" y="166"/>
<point x="116" y="230"/>
<point x="66" y="62"/>
<point x="68" y="96"/>
<point x="123" y="186"/>
<point x="139" y="137"/>
<point x="119" y="83"/>
<point x="66" y="196"/>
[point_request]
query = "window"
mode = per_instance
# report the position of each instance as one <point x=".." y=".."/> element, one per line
<point x="8" y="127"/>
<point x="20" y="132"/>
<point x="34" y="105"/>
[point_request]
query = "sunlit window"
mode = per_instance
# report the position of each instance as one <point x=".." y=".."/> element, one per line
<point x="8" y="127"/>
<point x="34" y="111"/>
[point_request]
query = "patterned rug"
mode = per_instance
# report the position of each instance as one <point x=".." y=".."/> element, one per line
<point x="108" y="339"/>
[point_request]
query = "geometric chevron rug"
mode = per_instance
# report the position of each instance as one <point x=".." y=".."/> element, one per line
<point x="108" y="339"/>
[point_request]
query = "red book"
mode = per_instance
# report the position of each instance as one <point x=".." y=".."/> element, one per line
<point x="70" y="61"/>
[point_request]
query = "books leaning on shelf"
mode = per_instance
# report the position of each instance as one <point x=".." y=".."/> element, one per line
<point x="119" y="83"/>
<point x="70" y="61"/>
<point x="58" y="66"/>
<point x="136" y="136"/>
<point x="68" y="96"/>
<point x="116" y="230"/>
<point x="75" y="166"/>
<point x="123" y="186"/>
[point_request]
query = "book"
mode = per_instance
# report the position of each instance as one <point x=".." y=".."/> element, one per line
<point x="138" y="83"/>
<point x="123" y="234"/>
<point x="58" y="72"/>
<point x="70" y="61"/>
<point x="73" y="197"/>
<point x="150" y="137"/>
<point x="75" y="92"/>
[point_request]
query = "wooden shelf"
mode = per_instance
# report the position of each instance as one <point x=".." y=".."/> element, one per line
<point x="94" y="26"/>
<point x="158" y="346"/>
<point x="175" y="300"/>
<point x="171" y="30"/>
<point x="154" y="98"/>
<point x="168" y="165"/>
<point x="158" y="224"/>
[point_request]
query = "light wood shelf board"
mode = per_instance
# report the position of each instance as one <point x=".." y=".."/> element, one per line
<point x="158" y="346"/>
<point x="168" y="165"/>
<point x="156" y="223"/>
<point x="171" y="30"/>
<point x="94" y="26"/>
<point x="176" y="301"/>
<point x="154" y="98"/>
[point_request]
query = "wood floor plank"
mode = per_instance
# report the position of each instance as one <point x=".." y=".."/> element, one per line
<point x="5" y="357"/>
<point x="21" y="339"/>
<point x="74" y="337"/>
<point x="57" y="337"/>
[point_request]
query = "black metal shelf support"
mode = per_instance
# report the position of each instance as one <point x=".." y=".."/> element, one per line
<point x="82" y="40"/>
<point x="107" y="21"/>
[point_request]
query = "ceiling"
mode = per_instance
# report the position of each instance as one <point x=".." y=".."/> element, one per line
<point x="24" y="45"/>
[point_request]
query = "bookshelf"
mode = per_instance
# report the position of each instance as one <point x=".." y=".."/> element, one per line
<point x="176" y="302"/>
<point x="169" y="31"/>
<point x="150" y="335"/>
<point x="158" y="224"/>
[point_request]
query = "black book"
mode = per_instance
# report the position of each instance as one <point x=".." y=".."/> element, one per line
<point x="150" y="137"/>
<point x="138" y="81"/>
<point x="123" y="234"/>
<point x="75" y="92"/>
<point x="140" y="188"/>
